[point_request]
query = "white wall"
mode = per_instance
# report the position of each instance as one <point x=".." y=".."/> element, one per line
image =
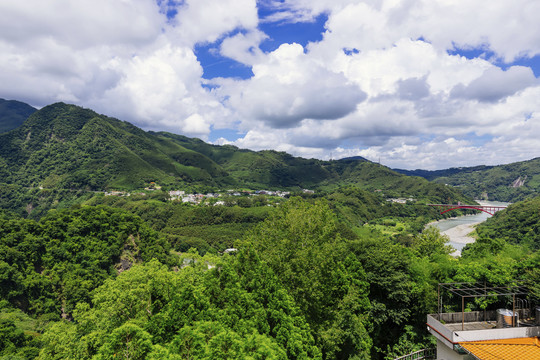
<point x="445" y="353"/>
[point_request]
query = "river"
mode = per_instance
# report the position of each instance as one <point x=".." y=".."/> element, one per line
<point x="458" y="228"/>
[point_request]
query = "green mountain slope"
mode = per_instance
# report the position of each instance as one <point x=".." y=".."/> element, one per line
<point x="13" y="113"/>
<point x="260" y="169"/>
<point x="66" y="150"/>
<point x="517" y="224"/>
<point x="278" y="170"/>
<point x="70" y="147"/>
<point x="511" y="182"/>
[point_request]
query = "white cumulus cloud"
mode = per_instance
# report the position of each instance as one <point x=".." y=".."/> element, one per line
<point x="386" y="81"/>
<point x="289" y="87"/>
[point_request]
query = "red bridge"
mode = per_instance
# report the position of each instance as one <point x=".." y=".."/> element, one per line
<point x="490" y="209"/>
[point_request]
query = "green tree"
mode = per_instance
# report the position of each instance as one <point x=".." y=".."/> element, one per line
<point x="129" y="341"/>
<point x="302" y="244"/>
<point x="430" y="242"/>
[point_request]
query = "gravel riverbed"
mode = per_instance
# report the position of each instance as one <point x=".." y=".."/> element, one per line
<point x="460" y="235"/>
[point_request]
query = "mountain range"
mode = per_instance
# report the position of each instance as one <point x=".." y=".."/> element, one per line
<point x="68" y="147"/>
<point x="510" y="182"/>
<point x="71" y="147"/>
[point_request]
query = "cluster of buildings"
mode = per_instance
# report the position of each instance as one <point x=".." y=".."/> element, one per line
<point x="401" y="200"/>
<point x="180" y="195"/>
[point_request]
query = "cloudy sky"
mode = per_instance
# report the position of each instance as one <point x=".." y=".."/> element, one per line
<point x="425" y="84"/>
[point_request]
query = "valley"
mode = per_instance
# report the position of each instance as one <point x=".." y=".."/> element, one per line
<point x="458" y="229"/>
<point x="114" y="238"/>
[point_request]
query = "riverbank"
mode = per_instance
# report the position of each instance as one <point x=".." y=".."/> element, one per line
<point x="459" y="228"/>
<point x="460" y="235"/>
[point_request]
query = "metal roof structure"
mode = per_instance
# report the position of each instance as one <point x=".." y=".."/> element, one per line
<point x="483" y="290"/>
<point x="475" y="290"/>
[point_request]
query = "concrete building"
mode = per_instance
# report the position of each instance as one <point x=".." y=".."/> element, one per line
<point x="487" y="334"/>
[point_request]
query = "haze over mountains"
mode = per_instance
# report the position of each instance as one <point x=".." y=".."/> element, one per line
<point x="13" y="113"/>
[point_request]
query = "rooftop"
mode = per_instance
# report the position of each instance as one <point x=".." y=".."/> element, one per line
<point x="522" y="348"/>
<point x="489" y="331"/>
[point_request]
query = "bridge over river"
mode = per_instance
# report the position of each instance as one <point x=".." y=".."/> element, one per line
<point x="458" y="228"/>
<point x="490" y="209"/>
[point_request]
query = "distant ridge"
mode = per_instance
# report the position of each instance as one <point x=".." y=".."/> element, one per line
<point x="510" y="182"/>
<point x="353" y="158"/>
<point x="434" y="174"/>
<point x="13" y="113"/>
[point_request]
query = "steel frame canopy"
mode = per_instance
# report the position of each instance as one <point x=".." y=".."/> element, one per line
<point x="473" y="290"/>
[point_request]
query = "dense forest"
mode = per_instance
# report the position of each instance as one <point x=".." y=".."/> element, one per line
<point x="347" y="271"/>
<point x="95" y="281"/>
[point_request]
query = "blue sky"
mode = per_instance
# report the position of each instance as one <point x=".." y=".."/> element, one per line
<point x="279" y="33"/>
<point x="482" y="53"/>
<point x="424" y="84"/>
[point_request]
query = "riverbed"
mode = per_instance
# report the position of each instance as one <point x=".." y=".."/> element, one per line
<point x="458" y="229"/>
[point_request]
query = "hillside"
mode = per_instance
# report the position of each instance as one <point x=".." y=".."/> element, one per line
<point x="13" y="114"/>
<point x="511" y="182"/>
<point x="518" y="224"/>
<point x="65" y="146"/>
<point x="353" y="257"/>
<point x="64" y="152"/>
<point x="275" y="169"/>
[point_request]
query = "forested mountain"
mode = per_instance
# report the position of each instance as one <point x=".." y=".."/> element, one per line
<point x="281" y="170"/>
<point x="63" y="152"/>
<point x="65" y="146"/>
<point x="519" y="224"/>
<point x="13" y="113"/>
<point x="511" y="182"/>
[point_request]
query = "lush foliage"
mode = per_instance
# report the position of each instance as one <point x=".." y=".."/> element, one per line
<point x="339" y="274"/>
<point x="47" y="267"/>
<point x="302" y="244"/>
<point x="358" y="293"/>
<point x="234" y="310"/>
<point x="207" y="228"/>
<point x="304" y="284"/>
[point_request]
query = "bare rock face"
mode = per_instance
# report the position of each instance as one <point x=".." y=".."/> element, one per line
<point x="519" y="182"/>
<point x="123" y="265"/>
<point x="130" y="255"/>
<point x="29" y="208"/>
